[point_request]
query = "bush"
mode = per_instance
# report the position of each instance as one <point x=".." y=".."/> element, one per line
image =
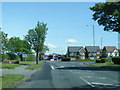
<point x="116" y="60"/>
<point x="5" y="57"/>
<point x="30" y="58"/>
<point x="100" y="61"/>
<point x="11" y="61"/>
<point x="66" y="59"/>
<point x="105" y="59"/>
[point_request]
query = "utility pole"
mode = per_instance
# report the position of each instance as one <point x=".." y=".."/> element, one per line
<point x="93" y="36"/>
<point x="101" y="42"/>
<point x="118" y="40"/>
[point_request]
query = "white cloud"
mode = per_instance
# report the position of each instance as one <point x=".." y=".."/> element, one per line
<point x="51" y="45"/>
<point x="71" y="41"/>
<point x="118" y="42"/>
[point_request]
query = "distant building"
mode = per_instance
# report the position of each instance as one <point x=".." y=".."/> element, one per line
<point x="75" y="51"/>
<point x="110" y="51"/>
<point x="92" y="52"/>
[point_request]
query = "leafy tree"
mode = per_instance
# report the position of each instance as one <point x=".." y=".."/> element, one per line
<point x="3" y="40"/>
<point x="45" y="48"/>
<point x="17" y="46"/>
<point x="108" y="15"/>
<point x="36" y="38"/>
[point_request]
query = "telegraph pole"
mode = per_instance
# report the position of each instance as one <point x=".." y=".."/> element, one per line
<point x="93" y="36"/>
<point x="101" y="42"/>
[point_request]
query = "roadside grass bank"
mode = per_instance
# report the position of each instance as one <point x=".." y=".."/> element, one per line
<point x="13" y="66"/>
<point x="83" y="60"/>
<point x="34" y="66"/>
<point x="9" y="81"/>
<point x="110" y="65"/>
<point x="25" y="62"/>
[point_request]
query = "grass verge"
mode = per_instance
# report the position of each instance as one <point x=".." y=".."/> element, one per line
<point x="110" y="65"/>
<point x="26" y="62"/>
<point x="34" y="66"/>
<point x="10" y="66"/>
<point x="9" y="81"/>
<point x="84" y="60"/>
<point x="13" y="66"/>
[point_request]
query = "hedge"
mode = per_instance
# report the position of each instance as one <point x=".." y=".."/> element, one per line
<point x="66" y="59"/>
<point x="100" y="61"/>
<point x="11" y="61"/>
<point x="116" y="60"/>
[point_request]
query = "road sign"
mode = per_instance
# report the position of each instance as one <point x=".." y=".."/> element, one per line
<point x="24" y="55"/>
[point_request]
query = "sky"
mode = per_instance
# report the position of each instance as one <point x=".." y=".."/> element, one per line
<point x="69" y="23"/>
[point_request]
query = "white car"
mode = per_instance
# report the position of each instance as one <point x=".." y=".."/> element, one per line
<point x="52" y="60"/>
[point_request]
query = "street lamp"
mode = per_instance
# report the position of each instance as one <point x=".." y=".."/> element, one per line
<point x="93" y="35"/>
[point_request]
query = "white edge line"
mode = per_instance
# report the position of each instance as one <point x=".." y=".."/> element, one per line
<point x="52" y="67"/>
<point x="102" y="83"/>
<point x="87" y="82"/>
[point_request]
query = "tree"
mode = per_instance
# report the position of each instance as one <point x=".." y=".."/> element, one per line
<point x="3" y="40"/>
<point x="108" y="15"/>
<point x="45" y="48"/>
<point x="36" y="38"/>
<point x="17" y="46"/>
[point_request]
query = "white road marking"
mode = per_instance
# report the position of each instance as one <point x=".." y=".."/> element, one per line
<point x="103" y="83"/>
<point x="87" y="82"/>
<point x="61" y="66"/>
<point x="101" y="77"/>
<point x="52" y="67"/>
<point x="87" y="76"/>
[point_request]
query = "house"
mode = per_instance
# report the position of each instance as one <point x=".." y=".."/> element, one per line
<point x="76" y="52"/>
<point x="110" y="51"/>
<point x="82" y="53"/>
<point x="92" y="52"/>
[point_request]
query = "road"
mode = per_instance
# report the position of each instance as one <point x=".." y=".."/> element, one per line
<point x="72" y="75"/>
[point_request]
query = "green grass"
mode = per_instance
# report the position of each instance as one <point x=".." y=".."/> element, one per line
<point x="34" y="66"/>
<point x="84" y="60"/>
<point x="10" y="66"/>
<point x="25" y="62"/>
<point x="106" y="65"/>
<point x="9" y="81"/>
<point x="13" y="66"/>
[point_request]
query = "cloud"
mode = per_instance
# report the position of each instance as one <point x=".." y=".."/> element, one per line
<point x="71" y="41"/>
<point x="51" y="45"/>
<point x="118" y="42"/>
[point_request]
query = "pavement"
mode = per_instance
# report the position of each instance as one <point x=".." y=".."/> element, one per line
<point x="18" y="70"/>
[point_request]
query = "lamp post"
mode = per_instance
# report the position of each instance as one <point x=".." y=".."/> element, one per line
<point x="93" y="35"/>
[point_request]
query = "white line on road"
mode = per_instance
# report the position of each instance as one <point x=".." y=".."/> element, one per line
<point x="87" y="82"/>
<point x="102" y="83"/>
<point x="52" y="67"/>
<point x="61" y="66"/>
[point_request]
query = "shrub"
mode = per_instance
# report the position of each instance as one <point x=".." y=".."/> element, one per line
<point x="116" y="60"/>
<point x="15" y="61"/>
<point x="5" y="57"/>
<point x="6" y="61"/>
<point x="66" y="59"/>
<point x="11" y="61"/>
<point x="100" y="61"/>
<point x="105" y="59"/>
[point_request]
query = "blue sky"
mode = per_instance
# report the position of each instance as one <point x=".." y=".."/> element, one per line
<point x="67" y="23"/>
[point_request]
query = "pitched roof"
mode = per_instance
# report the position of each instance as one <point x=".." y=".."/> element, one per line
<point x="82" y="50"/>
<point x="110" y="48"/>
<point x="92" y="48"/>
<point x="74" y="48"/>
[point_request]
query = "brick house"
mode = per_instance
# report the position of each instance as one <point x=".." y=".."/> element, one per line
<point x="110" y="51"/>
<point x="92" y="52"/>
